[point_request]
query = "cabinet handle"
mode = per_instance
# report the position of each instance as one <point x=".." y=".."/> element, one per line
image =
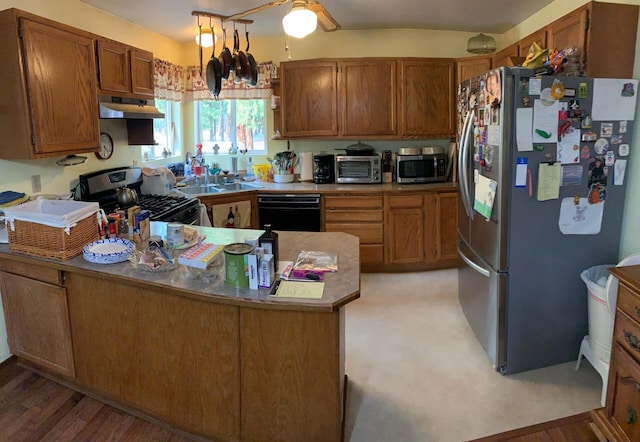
<point x="632" y="340"/>
<point x="628" y="380"/>
<point x="637" y="311"/>
<point x="632" y="416"/>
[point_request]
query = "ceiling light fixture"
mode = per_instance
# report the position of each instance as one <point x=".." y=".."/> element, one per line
<point x="207" y="38"/>
<point x="481" y="44"/>
<point x="299" y="21"/>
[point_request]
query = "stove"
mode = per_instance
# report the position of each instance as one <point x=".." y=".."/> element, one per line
<point x="101" y="186"/>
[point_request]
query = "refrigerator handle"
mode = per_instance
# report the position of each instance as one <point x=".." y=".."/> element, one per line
<point x="484" y="272"/>
<point x="463" y="157"/>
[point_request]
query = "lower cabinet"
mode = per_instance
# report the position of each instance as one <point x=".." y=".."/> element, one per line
<point x="218" y="208"/>
<point x="361" y="216"/>
<point x="37" y="318"/>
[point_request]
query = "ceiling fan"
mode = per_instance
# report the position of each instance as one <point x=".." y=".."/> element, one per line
<point x="326" y="21"/>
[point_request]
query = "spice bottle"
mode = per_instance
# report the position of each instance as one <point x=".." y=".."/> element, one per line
<point x="269" y="241"/>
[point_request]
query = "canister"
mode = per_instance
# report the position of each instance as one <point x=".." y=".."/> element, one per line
<point x="175" y="234"/>
<point x="236" y="264"/>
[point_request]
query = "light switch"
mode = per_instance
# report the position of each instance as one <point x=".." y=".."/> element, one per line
<point x="35" y="184"/>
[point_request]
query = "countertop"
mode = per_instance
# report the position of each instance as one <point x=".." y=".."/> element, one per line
<point x="340" y="287"/>
<point x="310" y="187"/>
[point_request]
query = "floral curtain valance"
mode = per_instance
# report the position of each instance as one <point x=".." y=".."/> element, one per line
<point x="175" y="83"/>
<point x="168" y="79"/>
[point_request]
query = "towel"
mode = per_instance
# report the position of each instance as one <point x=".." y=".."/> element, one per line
<point x="9" y="198"/>
<point x="204" y="217"/>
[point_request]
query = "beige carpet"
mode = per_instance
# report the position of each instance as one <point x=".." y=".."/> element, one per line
<point x="417" y="373"/>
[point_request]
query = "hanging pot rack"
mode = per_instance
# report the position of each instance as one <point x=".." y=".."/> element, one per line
<point x="222" y="18"/>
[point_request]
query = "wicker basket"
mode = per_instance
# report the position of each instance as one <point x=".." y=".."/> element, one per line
<point x="52" y="242"/>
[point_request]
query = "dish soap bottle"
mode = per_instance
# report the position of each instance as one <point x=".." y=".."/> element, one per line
<point x="269" y="242"/>
<point x="249" y="173"/>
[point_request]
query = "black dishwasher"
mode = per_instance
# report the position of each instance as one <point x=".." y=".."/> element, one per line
<point x="290" y="211"/>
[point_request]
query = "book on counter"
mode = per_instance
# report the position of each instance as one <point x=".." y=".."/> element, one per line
<point x="201" y="255"/>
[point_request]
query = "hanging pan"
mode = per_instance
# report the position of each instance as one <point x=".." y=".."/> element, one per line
<point x="214" y="70"/>
<point x="253" y="77"/>
<point x="225" y="56"/>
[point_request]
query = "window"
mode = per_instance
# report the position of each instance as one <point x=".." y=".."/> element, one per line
<point x="237" y="123"/>
<point x="166" y="133"/>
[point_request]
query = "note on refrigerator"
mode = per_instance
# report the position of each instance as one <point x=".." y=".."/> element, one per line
<point x="614" y="99"/>
<point x="618" y="172"/>
<point x="549" y="176"/>
<point x="545" y="122"/>
<point x="568" y="151"/>
<point x="580" y="219"/>
<point x="485" y="195"/>
<point x="524" y="121"/>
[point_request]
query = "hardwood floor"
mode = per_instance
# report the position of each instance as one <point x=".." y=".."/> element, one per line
<point x="567" y="429"/>
<point x="34" y="408"/>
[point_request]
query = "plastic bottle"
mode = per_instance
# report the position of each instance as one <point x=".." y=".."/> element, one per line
<point x="249" y="173"/>
<point x="269" y="241"/>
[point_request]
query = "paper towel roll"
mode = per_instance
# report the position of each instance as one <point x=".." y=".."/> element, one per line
<point x="306" y="166"/>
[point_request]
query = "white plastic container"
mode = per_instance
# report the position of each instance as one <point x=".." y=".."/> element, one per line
<point x="600" y="320"/>
<point x="283" y="178"/>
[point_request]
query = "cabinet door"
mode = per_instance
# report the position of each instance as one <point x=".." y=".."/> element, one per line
<point x="37" y="318"/>
<point x="61" y="74"/>
<point x="447" y="234"/>
<point x="309" y="99"/>
<point x="503" y="58"/>
<point x="113" y="67"/>
<point x="539" y="37"/>
<point x="426" y="98"/>
<point x="368" y="97"/>
<point x="623" y="407"/>
<point x="142" y="82"/>
<point x="471" y="66"/>
<point x="569" y="30"/>
<point x="241" y="215"/>
<point x="405" y="224"/>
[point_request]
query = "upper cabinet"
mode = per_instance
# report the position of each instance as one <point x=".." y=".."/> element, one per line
<point x="124" y="70"/>
<point x="604" y="32"/>
<point x="309" y="98"/>
<point x="426" y="98"/>
<point x="366" y="98"/>
<point x="468" y="67"/>
<point x="48" y="89"/>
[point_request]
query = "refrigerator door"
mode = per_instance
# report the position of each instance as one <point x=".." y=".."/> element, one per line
<point x="465" y="183"/>
<point x="482" y="295"/>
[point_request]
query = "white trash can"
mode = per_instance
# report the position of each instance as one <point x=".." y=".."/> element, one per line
<point x="600" y="319"/>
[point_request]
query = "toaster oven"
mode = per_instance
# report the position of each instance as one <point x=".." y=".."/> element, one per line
<point x="354" y="169"/>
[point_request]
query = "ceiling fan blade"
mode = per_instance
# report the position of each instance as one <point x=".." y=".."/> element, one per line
<point x="239" y="15"/>
<point x="325" y="20"/>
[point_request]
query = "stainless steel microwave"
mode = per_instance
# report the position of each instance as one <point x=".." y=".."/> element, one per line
<point x="421" y="168"/>
<point x="354" y="169"/>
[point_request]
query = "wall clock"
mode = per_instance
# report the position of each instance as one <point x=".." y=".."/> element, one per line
<point x="106" y="146"/>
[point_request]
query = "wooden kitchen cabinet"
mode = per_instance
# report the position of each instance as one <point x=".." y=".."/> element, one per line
<point x="405" y="229"/>
<point x="503" y="58"/>
<point x="426" y="100"/>
<point x="218" y="208"/>
<point x="309" y="98"/>
<point x="359" y="215"/>
<point x="618" y="420"/>
<point x="368" y="98"/>
<point x="46" y="67"/>
<point x="37" y="318"/>
<point x="441" y="218"/>
<point x="124" y="70"/>
<point x="539" y="37"/>
<point x="468" y="67"/>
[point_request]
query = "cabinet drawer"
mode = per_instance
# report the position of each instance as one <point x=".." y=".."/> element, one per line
<point x="629" y="302"/>
<point x="342" y="216"/>
<point x="44" y="274"/>
<point x="368" y="233"/>
<point x="400" y="202"/>
<point x="625" y="407"/>
<point x="353" y="202"/>
<point x="371" y="254"/>
<point x="627" y="333"/>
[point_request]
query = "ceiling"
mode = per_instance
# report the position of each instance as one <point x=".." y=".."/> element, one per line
<point x="173" y="18"/>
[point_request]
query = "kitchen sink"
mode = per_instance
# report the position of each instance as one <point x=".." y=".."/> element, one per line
<point x="237" y="186"/>
<point x="197" y="190"/>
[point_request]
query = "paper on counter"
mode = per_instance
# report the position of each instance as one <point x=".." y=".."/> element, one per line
<point x="300" y="289"/>
<point x="549" y="176"/>
<point x="524" y="121"/>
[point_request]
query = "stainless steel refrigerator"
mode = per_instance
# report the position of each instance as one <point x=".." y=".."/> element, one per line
<point x="541" y="200"/>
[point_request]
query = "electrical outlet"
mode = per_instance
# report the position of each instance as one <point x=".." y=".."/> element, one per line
<point x="35" y="184"/>
<point x="135" y="162"/>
